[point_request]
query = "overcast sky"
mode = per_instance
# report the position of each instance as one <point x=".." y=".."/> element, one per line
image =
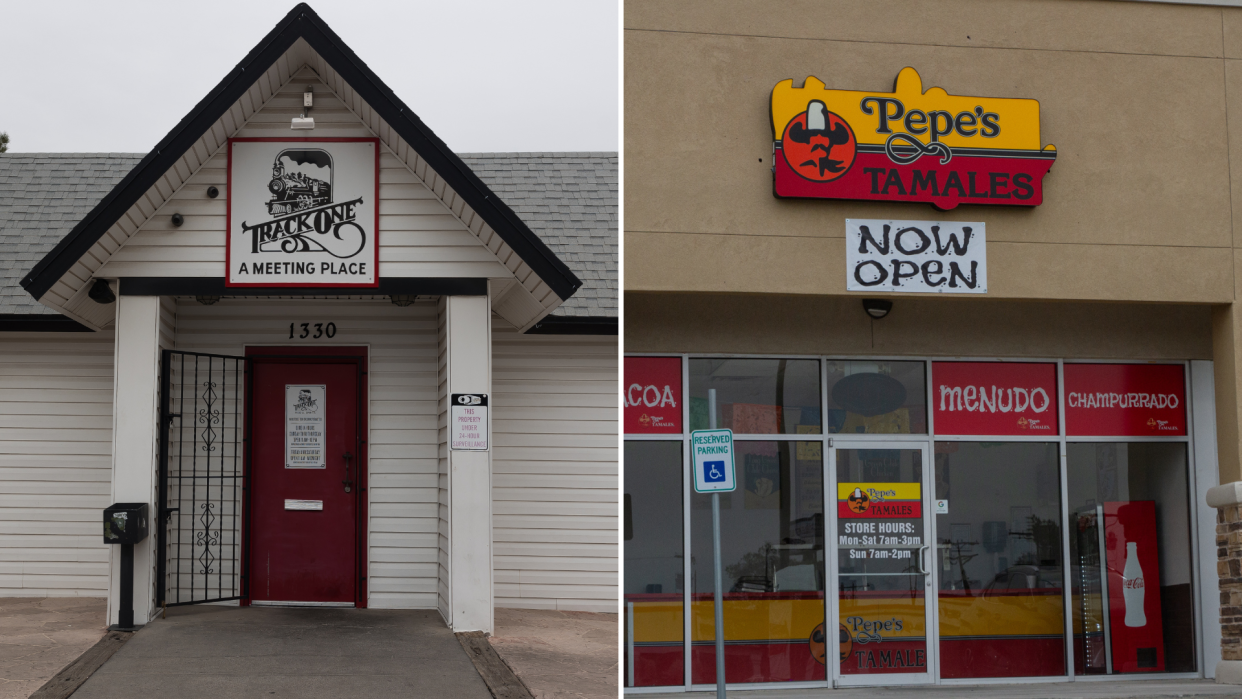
<point x="485" y="75"/>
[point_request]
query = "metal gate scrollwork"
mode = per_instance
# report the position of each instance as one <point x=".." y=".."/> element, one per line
<point x="202" y="478"/>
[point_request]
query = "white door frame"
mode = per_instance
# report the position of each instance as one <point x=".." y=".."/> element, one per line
<point x="927" y="560"/>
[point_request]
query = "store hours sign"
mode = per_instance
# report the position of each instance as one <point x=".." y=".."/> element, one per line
<point x="946" y="257"/>
<point x="303" y="212"/>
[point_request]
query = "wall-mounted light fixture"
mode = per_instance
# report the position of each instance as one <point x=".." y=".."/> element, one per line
<point x="403" y="300"/>
<point x="877" y="308"/>
<point x="212" y="192"/>
<point x="207" y="300"/>
<point x="177" y="220"/>
<point x="305" y="121"/>
<point x="100" y="292"/>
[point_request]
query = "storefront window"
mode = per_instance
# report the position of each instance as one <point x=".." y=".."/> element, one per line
<point x="757" y="396"/>
<point x="772" y="547"/>
<point x="654" y="564"/>
<point x="877" y="397"/>
<point x="1001" y="603"/>
<point x="1133" y="604"/>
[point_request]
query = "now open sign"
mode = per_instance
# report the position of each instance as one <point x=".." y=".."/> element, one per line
<point x="934" y="257"/>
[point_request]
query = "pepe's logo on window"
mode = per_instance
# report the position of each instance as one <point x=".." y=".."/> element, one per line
<point x="306" y="218"/>
<point x="858" y="501"/>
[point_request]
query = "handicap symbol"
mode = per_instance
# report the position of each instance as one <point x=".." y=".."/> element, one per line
<point x="713" y="471"/>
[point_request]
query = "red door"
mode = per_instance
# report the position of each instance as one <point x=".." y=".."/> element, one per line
<point x="305" y="466"/>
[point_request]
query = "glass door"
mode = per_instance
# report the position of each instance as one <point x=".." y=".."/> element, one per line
<point x="880" y="562"/>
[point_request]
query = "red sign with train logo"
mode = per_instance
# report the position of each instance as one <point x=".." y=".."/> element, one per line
<point x="907" y="145"/>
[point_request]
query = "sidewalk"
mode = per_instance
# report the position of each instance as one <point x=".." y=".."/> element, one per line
<point x="560" y="655"/>
<point x="210" y="652"/>
<point x="39" y="636"/>
<point x="1120" y="689"/>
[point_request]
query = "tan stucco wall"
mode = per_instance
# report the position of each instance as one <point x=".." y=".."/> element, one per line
<point x="1134" y="95"/>
<point x="935" y="326"/>
<point x="1142" y="100"/>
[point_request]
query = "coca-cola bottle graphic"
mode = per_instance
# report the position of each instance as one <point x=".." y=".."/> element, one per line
<point x="1132" y="588"/>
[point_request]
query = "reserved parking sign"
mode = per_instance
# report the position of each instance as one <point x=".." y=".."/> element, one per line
<point x="712" y="452"/>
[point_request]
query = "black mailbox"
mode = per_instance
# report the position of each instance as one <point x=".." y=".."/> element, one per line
<point x="125" y="523"/>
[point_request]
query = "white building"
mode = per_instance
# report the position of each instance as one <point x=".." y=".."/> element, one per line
<point x="140" y="363"/>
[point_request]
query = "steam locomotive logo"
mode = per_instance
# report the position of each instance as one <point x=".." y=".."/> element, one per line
<point x="295" y="190"/>
<point x="305" y="217"/>
<point x="306" y="402"/>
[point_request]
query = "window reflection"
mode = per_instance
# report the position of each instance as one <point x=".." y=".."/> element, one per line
<point x="1133" y="591"/>
<point x="772" y="552"/>
<point x="1001" y="600"/>
<point x="877" y="397"/>
<point x="757" y="396"/>
<point x="654" y="566"/>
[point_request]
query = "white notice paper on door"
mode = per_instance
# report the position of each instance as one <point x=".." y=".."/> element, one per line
<point x="306" y="410"/>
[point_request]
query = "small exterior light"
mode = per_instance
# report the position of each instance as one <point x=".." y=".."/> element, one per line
<point x="402" y="300"/>
<point x="101" y="293"/>
<point x="207" y="300"/>
<point x="212" y="192"/>
<point x="306" y="121"/>
<point x="877" y="308"/>
<point x="177" y="220"/>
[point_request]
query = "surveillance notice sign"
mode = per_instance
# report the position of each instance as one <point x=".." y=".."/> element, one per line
<point x="468" y="418"/>
<point x="303" y="212"/>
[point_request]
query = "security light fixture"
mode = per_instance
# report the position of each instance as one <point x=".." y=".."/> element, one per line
<point x="877" y="308"/>
<point x="305" y="121"/>
<point x="177" y="220"/>
<point x="100" y="292"/>
<point x="207" y="300"/>
<point x="402" y="300"/>
<point x="212" y="192"/>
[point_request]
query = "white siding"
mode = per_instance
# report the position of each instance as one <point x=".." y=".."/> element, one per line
<point x="55" y="462"/>
<point x="554" y="487"/>
<point x="403" y="523"/>
<point x="419" y="235"/>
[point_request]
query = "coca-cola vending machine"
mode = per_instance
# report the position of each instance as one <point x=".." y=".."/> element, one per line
<point x="1134" y="606"/>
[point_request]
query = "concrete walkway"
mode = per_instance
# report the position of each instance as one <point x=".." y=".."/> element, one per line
<point x="560" y="655"/>
<point x="39" y="636"/>
<point x="1120" y="689"/>
<point x="215" y="651"/>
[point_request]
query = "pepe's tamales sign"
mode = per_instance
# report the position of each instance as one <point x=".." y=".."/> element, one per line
<point x="907" y="145"/>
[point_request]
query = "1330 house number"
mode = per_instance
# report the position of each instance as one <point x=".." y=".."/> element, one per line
<point x="311" y="331"/>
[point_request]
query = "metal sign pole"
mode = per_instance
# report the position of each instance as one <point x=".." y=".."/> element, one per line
<point x="720" y="664"/>
<point x="719" y="597"/>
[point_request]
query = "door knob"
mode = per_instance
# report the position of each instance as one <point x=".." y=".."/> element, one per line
<point x="349" y="484"/>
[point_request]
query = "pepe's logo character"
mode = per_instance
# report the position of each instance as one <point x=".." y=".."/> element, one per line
<point x="812" y="138"/>
<point x="645" y="420"/>
<point x="1023" y="423"/>
<point x="817" y="644"/>
<point x="1151" y="422"/>
<point x="858" y="501"/>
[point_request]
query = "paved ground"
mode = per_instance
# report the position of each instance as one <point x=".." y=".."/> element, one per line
<point x="215" y="651"/>
<point x="560" y="655"/>
<point x="1144" y="689"/>
<point x="39" y="636"/>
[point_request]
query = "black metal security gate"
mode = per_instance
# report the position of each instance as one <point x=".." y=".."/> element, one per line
<point x="202" y="478"/>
